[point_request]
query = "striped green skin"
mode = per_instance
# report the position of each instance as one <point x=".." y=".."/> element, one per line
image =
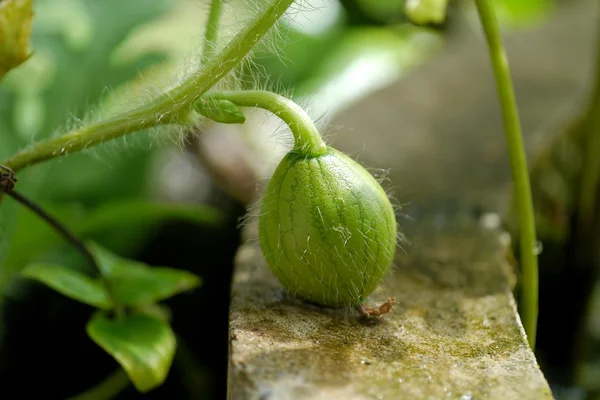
<point x="327" y="229"/>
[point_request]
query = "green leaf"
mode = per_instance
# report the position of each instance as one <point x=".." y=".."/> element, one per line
<point x="143" y="345"/>
<point x="122" y="226"/>
<point x="293" y="42"/>
<point x="70" y="283"/>
<point x="32" y="235"/>
<point x="69" y="71"/>
<point x="523" y="13"/>
<point x="390" y="52"/>
<point x="135" y="284"/>
<point x="426" y="11"/>
<point x="158" y="311"/>
<point x="132" y="284"/>
<point x="383" y="11"/>
<point x="15" y="29"/>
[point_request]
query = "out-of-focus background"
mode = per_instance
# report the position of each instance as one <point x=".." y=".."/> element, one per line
<point x="415" y="102"/>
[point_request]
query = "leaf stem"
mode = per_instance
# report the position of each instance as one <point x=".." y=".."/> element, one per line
<point x="212" y="25"/>
<point x="591" y="162"/>
<point x="56" y="225"/>
<point x="307" y="139"/>
<point x="73" y="240"/>
<point x="164" y="109"/>
<point x="518" y="161"/>
<point x="107" y="389"/>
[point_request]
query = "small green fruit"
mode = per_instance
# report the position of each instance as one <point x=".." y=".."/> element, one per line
<point x="327" y="228"/>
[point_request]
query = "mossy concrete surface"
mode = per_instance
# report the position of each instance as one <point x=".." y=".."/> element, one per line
<point x="454" y="333"/>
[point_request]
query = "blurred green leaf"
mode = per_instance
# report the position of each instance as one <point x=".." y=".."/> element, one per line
<point x="121" y="226"/>
<point x="367" y="59"/>
<point x="144" y="346"/>
<point x="426" y="11"/>
<point x="134" y="284"/>
<point x="70" y="283"/>
<point x="70" y="70"/>
<point x="384" y="11"/>
<point x="32" y="235"/>
<point x="158" y="311"/>
<point x="518" y="13"/>
<point x="15" y="28"/>
<point x="290" y="64"/>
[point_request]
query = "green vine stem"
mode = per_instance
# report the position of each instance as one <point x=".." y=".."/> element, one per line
<point x="591" y="162"/>
<point x="107" y="389"/>
<point x="72" y="239"/>
<point x="212" y="29"/>
<point x="518" y="161"/>
<point x="59" y="227"/>
<point x="306" y="136"/>
<point x="164" y="109"/>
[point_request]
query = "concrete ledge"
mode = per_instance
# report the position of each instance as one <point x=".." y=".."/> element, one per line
<point x="455" y="333"/>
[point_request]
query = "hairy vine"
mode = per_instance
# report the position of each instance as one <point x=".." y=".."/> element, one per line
<point x="169" y="108"/>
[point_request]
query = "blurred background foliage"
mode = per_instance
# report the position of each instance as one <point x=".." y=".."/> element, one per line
<point x="153" y="198"/>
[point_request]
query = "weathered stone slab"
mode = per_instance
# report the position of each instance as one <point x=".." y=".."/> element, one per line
<point x="454" y="333"/>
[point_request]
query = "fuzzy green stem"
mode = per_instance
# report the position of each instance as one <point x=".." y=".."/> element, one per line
<point x="212" y="29"/>
<point x="518" y="161"/>
<point x="107" y="389"/>
<point x="306" y="136"/>
<point x="591" y="163"/>
<point x="164" y="109"/>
